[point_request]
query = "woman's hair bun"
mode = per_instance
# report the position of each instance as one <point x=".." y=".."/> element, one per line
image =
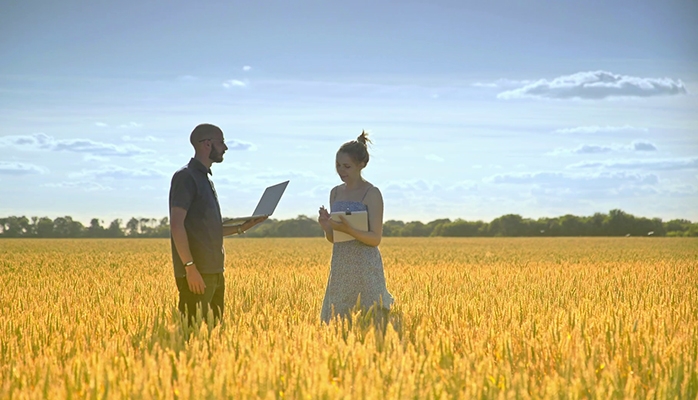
<point x="357" y="149"/>
<point x="363" y="138"/>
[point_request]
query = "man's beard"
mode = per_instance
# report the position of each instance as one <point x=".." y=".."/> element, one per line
<point x="215" y="156"/>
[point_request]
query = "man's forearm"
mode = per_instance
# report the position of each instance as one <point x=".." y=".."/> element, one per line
<point x="181" y="241"/>
<point x="234" y="229"/>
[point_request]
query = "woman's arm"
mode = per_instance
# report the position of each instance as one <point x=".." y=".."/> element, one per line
<point x="324" y="218"/>
<point x="372" y="237"/>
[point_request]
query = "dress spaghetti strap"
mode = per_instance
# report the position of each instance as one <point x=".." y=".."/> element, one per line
<point x="333" y="195"/>
<point x="367" y="190"/>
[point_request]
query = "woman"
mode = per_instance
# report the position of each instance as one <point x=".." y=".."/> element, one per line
<point x="356" y="272"/>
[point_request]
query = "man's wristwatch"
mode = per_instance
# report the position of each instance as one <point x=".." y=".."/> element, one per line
<point x="188" y="263"/>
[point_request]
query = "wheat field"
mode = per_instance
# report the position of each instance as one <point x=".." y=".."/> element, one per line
<point x="474" y="318"/>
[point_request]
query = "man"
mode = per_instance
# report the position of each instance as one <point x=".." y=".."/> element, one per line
<point x="197" y="229"/>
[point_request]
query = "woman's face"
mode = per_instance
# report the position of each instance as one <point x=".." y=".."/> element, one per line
<point x="347" y="169"/>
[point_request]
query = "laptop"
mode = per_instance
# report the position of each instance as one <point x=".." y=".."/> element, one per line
<point x="265" y="207"/>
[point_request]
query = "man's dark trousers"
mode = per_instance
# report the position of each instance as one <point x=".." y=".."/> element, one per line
<point x="212" y="299"/>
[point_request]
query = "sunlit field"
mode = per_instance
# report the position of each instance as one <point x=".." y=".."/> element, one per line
<point x="486" y="318"/>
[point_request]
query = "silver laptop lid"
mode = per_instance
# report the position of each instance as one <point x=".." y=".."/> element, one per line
<point x="267" y="204"/>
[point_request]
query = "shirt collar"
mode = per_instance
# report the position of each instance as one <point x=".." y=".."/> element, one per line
<point x="198" y="165"/>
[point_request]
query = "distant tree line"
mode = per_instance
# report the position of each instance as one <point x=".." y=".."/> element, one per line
<point x="615" y="223"/>
<point x="66" y="227"/>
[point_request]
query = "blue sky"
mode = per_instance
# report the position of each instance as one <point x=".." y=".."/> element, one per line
<point x="476" y="109"/>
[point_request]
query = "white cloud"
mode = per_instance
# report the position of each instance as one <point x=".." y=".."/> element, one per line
<point x="565" y="189"/>
<point x="141" y="139"/>
<point x="434" y="157"/>
<point x="686" y="190"/>
<point x="636" y="146"/>
<point x="246" y="68"/>
<point x="594" y="85"/>
<point x="600" y="129"/>
<point x="42" y="141"/>
<point x="259" y="181"/>
<point x="320" y="191"/>
<point x="20" y="169"/>
<point x="407" y="186"/>
<point x="683" y="190"/>
<point x="275" y="176"/>
<point x="501" y="83"/>
<point x="101" y="124"/>
<point x="592" y="149"/>
<point x="93" y="158"/>
<point x="120" y="173"/>
<point x="87" y="186"/>
<point x="464" y="185"/>
<point x="580" y="180"/>
<point x="233" y="83"/>
<point x="131" y="125"/>
<point x="671" y="164"/>
<point x="417" y="186"/>
<point x="486" y="85"/>
<point x="234" y="144"/>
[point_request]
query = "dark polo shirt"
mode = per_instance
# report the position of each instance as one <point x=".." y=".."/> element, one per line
<point x="192" y="190"/>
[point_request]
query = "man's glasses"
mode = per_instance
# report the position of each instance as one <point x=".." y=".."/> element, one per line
<point x="222" y="141"/>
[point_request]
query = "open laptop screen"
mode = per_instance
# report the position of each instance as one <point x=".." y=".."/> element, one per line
<point x="266" y="205"/>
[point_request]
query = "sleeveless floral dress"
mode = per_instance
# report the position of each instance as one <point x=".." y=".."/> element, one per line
<point x="356" y="274"/>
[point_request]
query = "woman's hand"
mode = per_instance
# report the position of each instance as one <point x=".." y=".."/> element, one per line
<point x="341" y="226"/>
<point x="324" y="219"/>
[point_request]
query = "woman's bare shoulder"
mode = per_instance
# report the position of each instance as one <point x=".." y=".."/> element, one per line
<point x="335" y="190"/>
<point x="372" y="188"/>
<point x="374" y="193"/>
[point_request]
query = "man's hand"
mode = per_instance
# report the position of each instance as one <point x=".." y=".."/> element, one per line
<point x="194" y="280"/>
<point x="251" y="223"/>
